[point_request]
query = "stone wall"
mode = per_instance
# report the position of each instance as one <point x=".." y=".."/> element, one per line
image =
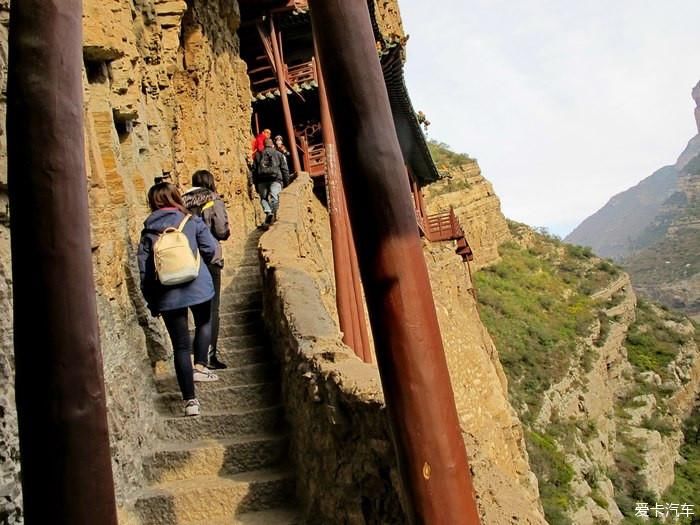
<point x="165" y="94"/>
<point x="340" y="438"/>
<point x="340" y="442"/>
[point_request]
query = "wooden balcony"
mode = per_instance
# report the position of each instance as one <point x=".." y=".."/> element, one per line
<point x="445" y="226"/>
<point x="299" y="77"/>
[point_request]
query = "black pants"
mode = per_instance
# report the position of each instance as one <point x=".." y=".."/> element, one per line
<point x="178" y="328"/>
<point x="215" y="272"/>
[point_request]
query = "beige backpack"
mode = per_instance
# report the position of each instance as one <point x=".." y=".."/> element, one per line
<point x="175" y="263"/>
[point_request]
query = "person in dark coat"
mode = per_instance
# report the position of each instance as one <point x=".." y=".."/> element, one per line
<point x="270" y="172"/>
<point x="173" y="302"/>
<point x="203" y="200"/>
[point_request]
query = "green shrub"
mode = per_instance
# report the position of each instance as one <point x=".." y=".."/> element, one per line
<point x="445" y="157"/>
<point x="686" y="486"/>
<point x="555" y="475"/>
<point x="661" y="424"/>
<point x="651" y="345"/>
<point x="599" y="499"/>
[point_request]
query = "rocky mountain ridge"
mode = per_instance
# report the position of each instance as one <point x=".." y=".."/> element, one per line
<point x="652" y="229"/>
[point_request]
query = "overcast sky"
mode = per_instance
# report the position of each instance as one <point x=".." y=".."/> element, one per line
<point x="564" y="103"/>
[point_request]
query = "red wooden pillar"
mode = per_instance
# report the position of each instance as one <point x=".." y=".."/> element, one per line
<point x="430" y="450"/>
<point x="64" y="442"/>
<point x="348" y="288"/>
<point x="282" y="82"/>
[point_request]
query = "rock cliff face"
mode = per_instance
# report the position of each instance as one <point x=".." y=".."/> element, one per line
<point x="165" y="94"/>
<point x="506" y="487"/>
<point x="477" y="207"/>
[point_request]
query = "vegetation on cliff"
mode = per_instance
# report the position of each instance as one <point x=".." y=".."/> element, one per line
<point x="536" y="304"/>
<point x="685" y="488"/>
<point x="541" y="306"/>
<point x="446" y="159"/>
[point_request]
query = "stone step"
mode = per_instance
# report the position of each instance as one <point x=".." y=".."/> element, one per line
<point x="237" y="301"/>
<point x="254" y="326"/>
<point x="181" y="461"/>
<point x="241" y="316"/>
<point x="269" y="517"/>
<point x="239" y="271"/>
<point x="235" y="376"/>
<point x="243" y="265"/>
<point x="241" y="285"/>
<point x="205" y="500"/>
<point x="233" y="341"/>
<point x="246" y="356"/>
<point x="223" y="424"/>
<point x="265" y="517"/>
<point x="243" y="397"/>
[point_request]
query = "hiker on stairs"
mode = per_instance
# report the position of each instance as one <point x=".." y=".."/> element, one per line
<point x="173" y="281"/>
<point x="270" y="172"/>
<point x="203" y="201"/>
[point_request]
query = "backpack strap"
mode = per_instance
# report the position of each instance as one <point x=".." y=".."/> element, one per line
<point x="208" y="205"/>
<point x="184" y="221"/>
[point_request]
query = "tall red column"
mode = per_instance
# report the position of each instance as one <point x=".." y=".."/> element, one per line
<point x="348" y="287"/>
<point x="286" y="110"/>
<point x="431" y="454"/>
<point x="64" y="443"/>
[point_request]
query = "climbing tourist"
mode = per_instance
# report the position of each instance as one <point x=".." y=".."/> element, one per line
<point x="279" y="146"/>
<point x="203" y="201"/>
<point x="261" y="138"/>
<point x="269" y="173"/>
<point x="173" y="281"/>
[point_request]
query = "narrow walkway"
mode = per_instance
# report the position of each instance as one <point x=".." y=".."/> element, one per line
<point x="226" y="466"/>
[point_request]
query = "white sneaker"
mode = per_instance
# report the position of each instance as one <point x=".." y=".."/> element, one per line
<point x="191" y="407"/>
<point x="203" y="375"/>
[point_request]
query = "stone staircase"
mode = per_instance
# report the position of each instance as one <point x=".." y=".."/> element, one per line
<point x="226" y="466"/>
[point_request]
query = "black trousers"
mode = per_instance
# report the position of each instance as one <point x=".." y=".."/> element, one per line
<point x="177" y="325"/>
<point x="215" y="272"/>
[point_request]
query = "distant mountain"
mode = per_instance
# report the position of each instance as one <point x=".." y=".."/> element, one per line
<point x="653" y="229"/>
<point x="613" y="230"/>
<point x="667" y="266"/>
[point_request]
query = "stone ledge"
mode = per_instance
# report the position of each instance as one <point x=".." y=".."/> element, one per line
<point x="340" y="444"/>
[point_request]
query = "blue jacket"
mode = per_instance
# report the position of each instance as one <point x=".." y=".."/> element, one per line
<point x="163" y="298"/>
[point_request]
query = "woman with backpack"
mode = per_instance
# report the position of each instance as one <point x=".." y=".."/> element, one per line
<point x="173" y="281"/>
<point x="203" y="201"/>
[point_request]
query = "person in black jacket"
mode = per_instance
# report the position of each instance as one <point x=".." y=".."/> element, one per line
<point x="202" y="200"/>
<point x="270" y="172"/>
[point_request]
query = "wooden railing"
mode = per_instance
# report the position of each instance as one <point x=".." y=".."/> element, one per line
<point x="301" y="73"/>
<point x="264" y="81"/>
<point x="314" y="157"/>
<point x="442" y="226"/>
<point x="445" y="226"/>
<point x="317" y="160"/>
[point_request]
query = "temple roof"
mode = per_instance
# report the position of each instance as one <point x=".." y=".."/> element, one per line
<point x="411" y="138"/>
